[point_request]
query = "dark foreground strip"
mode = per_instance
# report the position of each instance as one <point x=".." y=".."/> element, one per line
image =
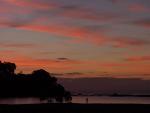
<point x="76" y="108"/>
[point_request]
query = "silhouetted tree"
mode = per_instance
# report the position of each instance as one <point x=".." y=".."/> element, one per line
<point x="68" y="97"/>
<point x="7" y="67"/>
<point x="38" y="84"/>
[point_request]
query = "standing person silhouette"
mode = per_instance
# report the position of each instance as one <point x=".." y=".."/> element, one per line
<point x="87" y="100"/>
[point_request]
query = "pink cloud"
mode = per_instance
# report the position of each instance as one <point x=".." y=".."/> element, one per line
<point x="82" y="34"/>
<point x="115" y="1"/>
<point x="138" y="58"/>
<point x="85" y="35"/>
<point x="69" y="12"/>
<point x="77" y="33"/>
<point x="138" y="8"/>
<point x="11" y="10"/>
<point x="88" y="14"/>
<point x="31" y="4"/>
<point x="125" y="42"/>
<point x="143" y="23"/>
<point x="17" y="45"/>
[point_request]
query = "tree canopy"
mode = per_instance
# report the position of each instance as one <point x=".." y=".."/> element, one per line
<point x="37" y="84"/>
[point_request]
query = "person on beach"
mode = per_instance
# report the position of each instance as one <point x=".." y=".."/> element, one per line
<point x="87" y="100"/>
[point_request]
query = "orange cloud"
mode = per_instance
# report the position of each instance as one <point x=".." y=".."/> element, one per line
<point x="53" y="65"/>
<point x="7" y="52"/>
<point x="65" y="65"/>
<point x="29" y="63"/>
<point x="114" y="65"/>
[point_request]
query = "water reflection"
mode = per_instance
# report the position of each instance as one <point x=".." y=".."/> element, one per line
<point x="81" y="99"/>
<point x="22" y="101"/>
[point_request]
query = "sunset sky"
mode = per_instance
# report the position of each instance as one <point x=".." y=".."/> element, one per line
<point x="77" y="38"/>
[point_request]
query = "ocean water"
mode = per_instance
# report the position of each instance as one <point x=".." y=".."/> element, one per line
<point x="82" y="100"/>
<point x="110" y="100"/>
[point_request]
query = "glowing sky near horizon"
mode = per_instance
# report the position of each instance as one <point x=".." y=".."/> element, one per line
<point x="77" y="38"/>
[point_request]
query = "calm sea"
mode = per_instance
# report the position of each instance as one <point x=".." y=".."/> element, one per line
<point x="82" y="99"/>
<point x="109" y="100"/>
